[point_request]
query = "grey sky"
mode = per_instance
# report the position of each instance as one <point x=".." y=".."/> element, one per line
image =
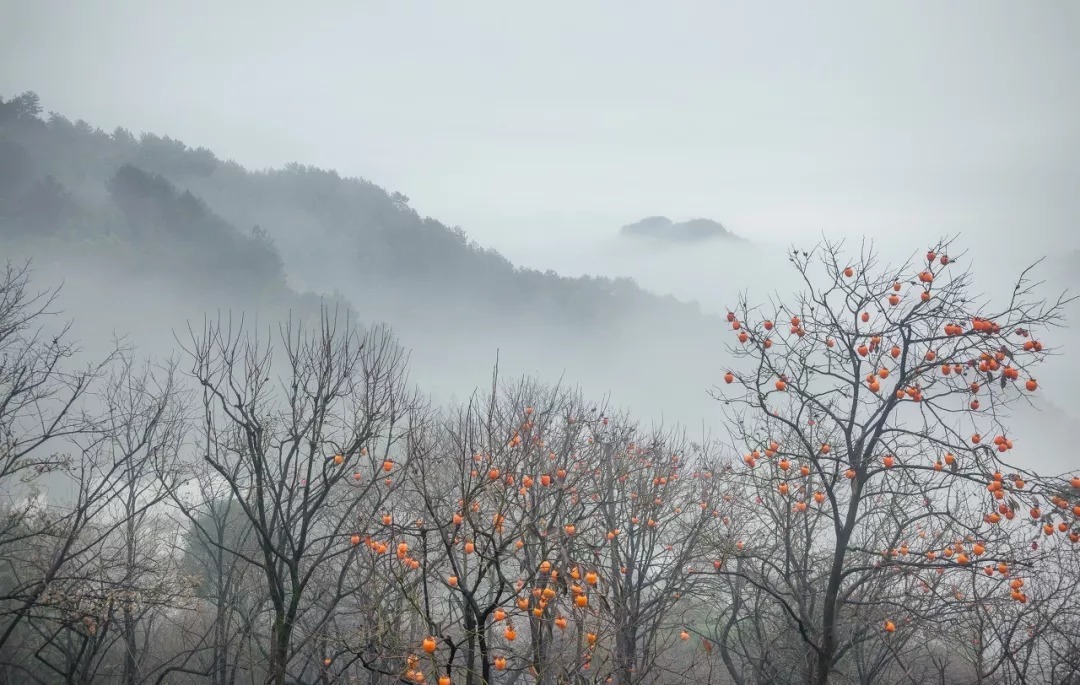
<point x="524" y="122"/>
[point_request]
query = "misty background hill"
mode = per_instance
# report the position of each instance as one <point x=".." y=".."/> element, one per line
<point x="165" y="231"/>
<point x="149" y="234"/>
<point x="664" y="229"/>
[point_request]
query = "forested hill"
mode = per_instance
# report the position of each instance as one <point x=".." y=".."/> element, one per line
<point x="191" y="211"/>
<point x="221" y="235"/>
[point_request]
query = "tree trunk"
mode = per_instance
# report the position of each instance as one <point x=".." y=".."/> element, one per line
<point x="827" y="653"/>
<point x="470" y="648"/>
<point x="625" y="647"/>
<point x="279" y="651"/>
<point x="131" y="648"/>
<point x="485" y="660"/>
<point x="221" y="655"/>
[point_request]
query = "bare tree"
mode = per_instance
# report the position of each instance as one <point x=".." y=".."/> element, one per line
<point x="303" y="459"/>
<point x="40" y="407"/>
<point x="66" y="513"/>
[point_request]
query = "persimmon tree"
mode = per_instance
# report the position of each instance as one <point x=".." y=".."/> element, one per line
<point x="539" y="539"/>
<point x="1011" y="642"/>
<point x="496" y="502"/>
<point x="872" y="410"/>
<point x="656" y="501"/>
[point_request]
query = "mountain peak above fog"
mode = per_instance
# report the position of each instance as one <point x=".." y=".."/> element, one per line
<point x="664" y="229"/>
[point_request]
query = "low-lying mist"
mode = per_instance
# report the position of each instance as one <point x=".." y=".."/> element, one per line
<point x="642" y="364"/>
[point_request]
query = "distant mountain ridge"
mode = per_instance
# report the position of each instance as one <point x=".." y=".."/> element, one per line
<point x="204" y="234"/>
<point x="64" y="181"/>
<point x="693" y="230"/>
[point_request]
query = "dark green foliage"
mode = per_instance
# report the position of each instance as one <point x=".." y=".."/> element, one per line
<point x="25" y="106"/>
<point x="156" y="212"/>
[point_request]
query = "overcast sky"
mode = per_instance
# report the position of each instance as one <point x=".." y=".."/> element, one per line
<point x="524" y="121"/>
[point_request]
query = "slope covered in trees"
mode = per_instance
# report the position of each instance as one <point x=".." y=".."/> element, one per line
<point x="65" y="180"/>
<point x="87" y="204"/>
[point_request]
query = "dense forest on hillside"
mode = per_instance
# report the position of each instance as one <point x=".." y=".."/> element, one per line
<point x="209" y="235"/>
<point x="181" y="208"/>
